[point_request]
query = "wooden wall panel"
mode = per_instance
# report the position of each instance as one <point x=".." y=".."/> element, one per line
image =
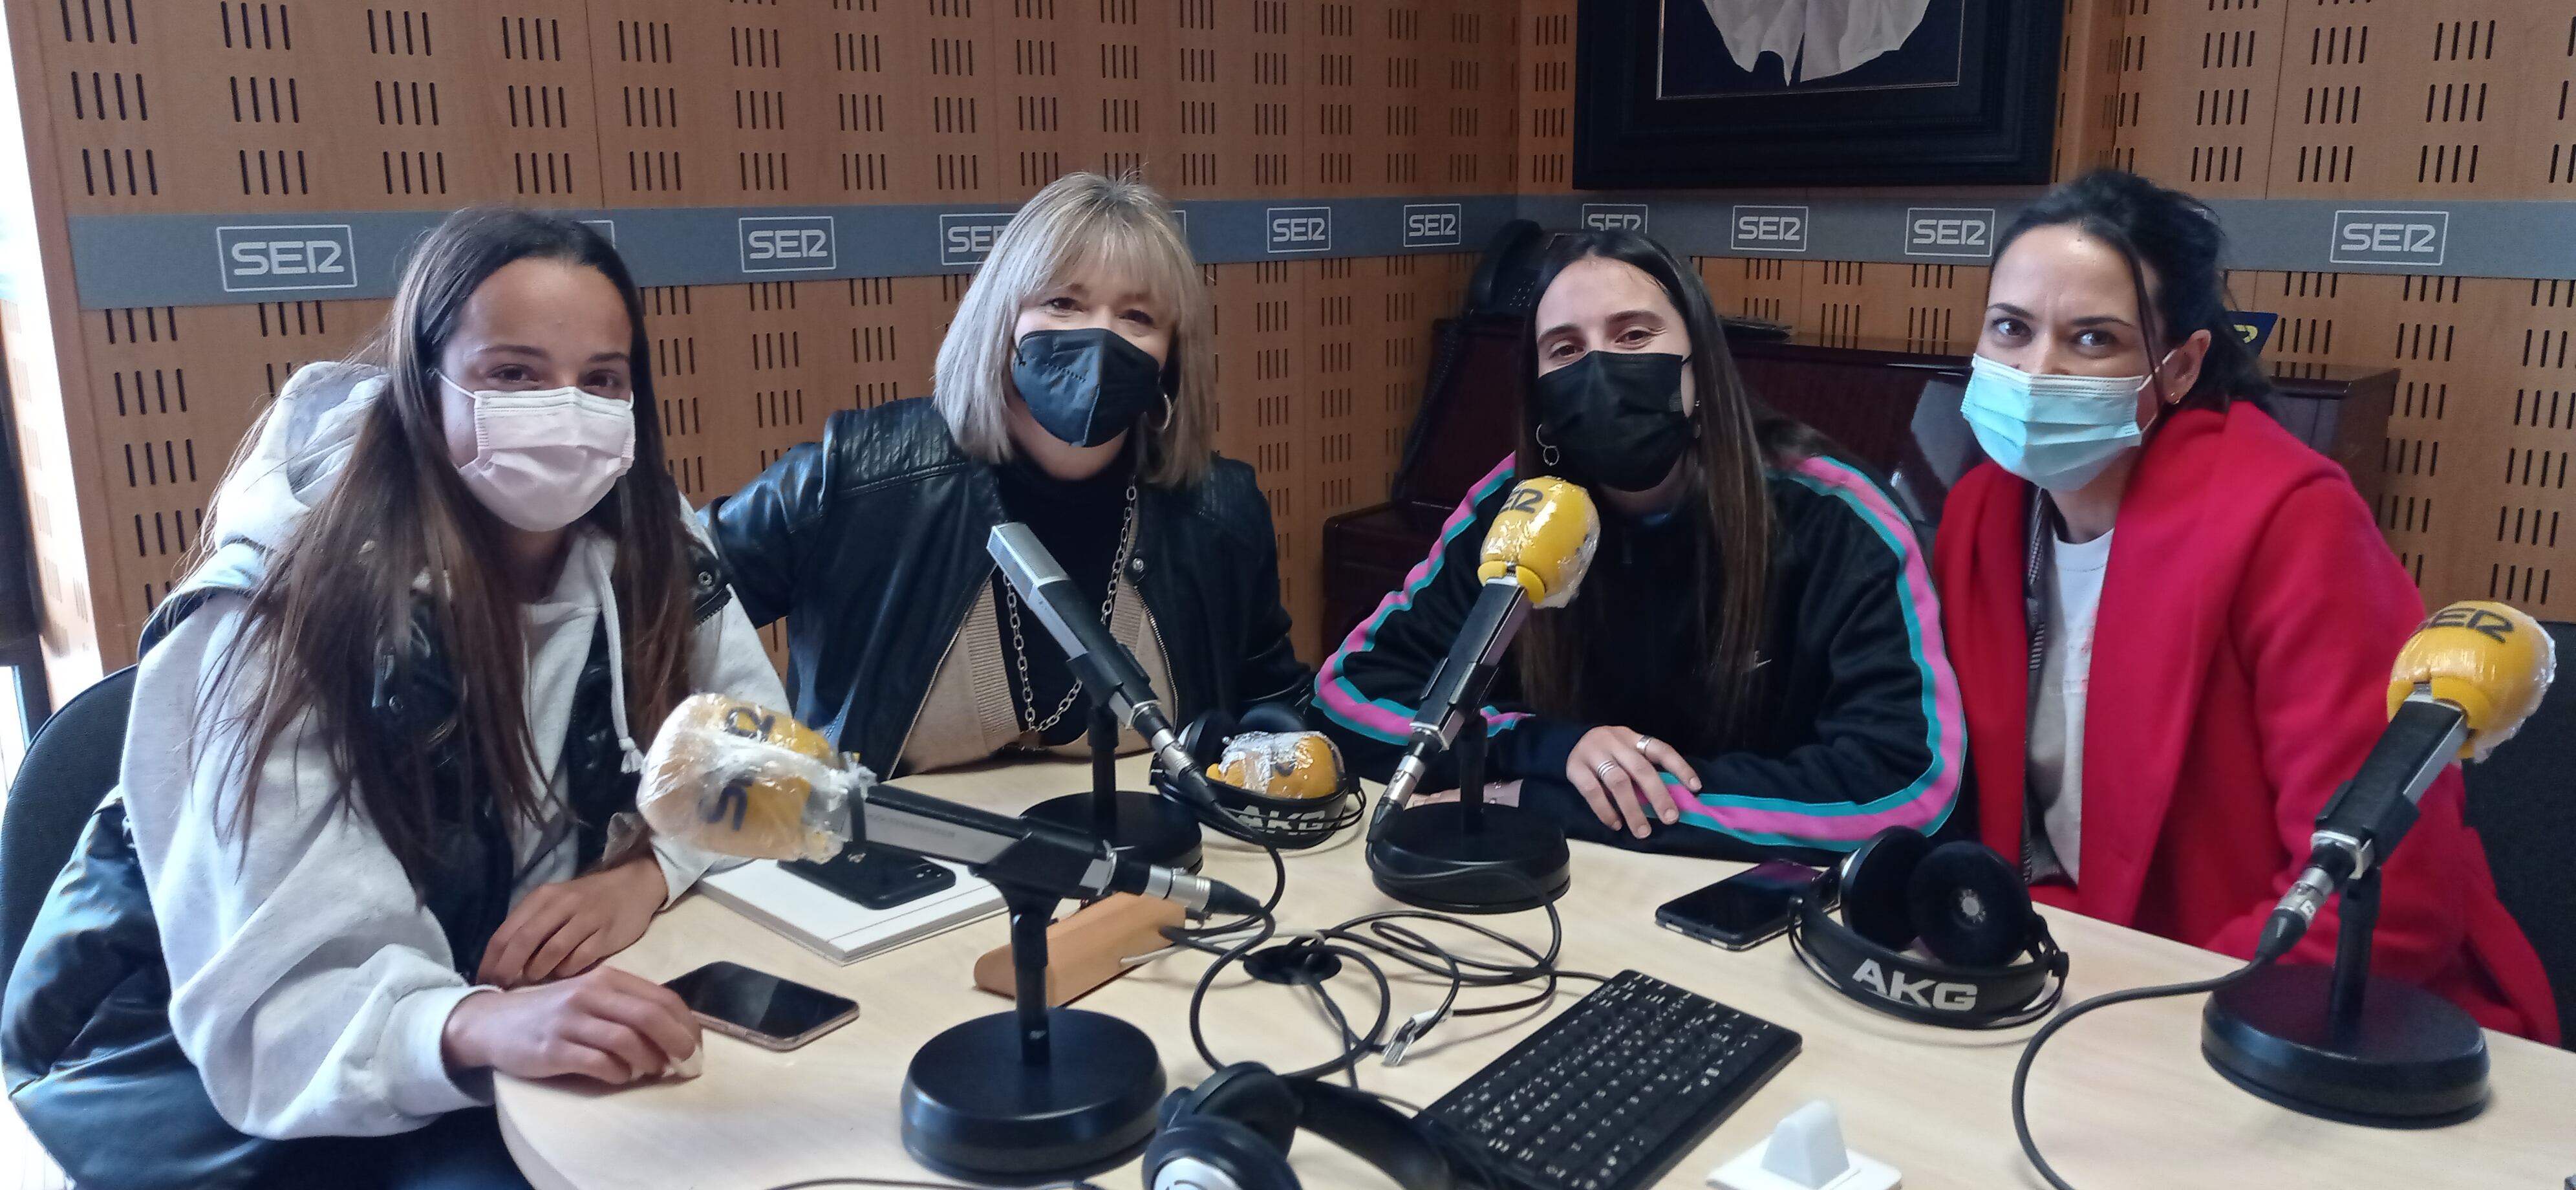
<point x="263" y="106"/>
<point x="1545" y="31"/>
<point x="2090" y="104"/>
<point x="183" y="385"/>
<point x="2199" y="83"/>
<point x="1765" y="289"/>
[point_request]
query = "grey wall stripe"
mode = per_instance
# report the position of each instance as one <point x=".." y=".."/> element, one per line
<point x="188" y="260"/>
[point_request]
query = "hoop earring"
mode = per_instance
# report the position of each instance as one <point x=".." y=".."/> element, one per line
<point x="1547" y="453"/>
<point x="1170" y="408"/>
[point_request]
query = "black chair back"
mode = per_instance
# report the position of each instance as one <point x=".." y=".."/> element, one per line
<point x="69" y="768"/>
<point x="2522" y="800"/>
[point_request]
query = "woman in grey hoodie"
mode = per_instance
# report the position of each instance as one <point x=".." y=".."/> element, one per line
<point x="381" y="771"/>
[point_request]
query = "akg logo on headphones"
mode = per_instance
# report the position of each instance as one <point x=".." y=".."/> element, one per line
<point x="1922" y="993"/>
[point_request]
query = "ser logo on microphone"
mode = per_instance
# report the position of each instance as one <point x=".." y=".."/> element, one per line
<point x="1921" y="993"/>
<point x="748" y="723"/>
<point x="2476" y="619"/>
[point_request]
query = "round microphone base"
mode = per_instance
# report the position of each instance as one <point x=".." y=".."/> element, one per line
<point x="1512" y="860"/>
<point x="1143" y="826"/>
<point x="972" y="1109"/>
<point x="2412" y="1060"/>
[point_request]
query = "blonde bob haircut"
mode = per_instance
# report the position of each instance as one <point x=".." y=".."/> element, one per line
<point x="1082" y="223"/>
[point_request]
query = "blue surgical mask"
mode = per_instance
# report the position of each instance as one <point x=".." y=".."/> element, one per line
<point x="2058" y="432"/>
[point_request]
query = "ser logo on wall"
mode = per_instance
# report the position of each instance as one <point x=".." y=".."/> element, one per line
<point x="2417" y="238"/>
<point x="1768" y="229"/>
<point x="1615" y="216"/>
<point x="967" y="239"/>
<point x="787" y="243"/>
<point x="287" y="256"/>
<point x="1966" y="232"/>
<point x="1299" y="229"/>
<point x="1434" y="225"/>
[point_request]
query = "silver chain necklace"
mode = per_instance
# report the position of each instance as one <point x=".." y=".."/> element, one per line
<point x="1108" y="607"/>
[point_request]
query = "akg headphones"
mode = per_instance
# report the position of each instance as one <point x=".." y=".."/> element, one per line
<point x="1993" y="966"/>
<point x="1232" y="1132"/>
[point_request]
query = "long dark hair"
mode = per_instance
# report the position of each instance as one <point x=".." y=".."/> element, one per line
<point x="338" y="598"/>
<point x="2173" y="244"/>
<point x="1737" y="439"/>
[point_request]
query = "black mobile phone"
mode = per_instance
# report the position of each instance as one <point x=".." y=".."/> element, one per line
<point x="877" y="879"/>
<point x="761" y="1008"/>
<point x="1742" y="911"/>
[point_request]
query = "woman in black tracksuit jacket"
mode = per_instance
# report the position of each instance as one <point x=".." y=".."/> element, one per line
<point x="1753" y="663"/>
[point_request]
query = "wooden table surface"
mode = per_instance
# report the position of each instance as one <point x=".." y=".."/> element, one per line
<point x="2120" y="1099"/>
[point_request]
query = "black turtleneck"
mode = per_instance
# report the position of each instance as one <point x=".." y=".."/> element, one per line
<point x="1078" y="522"/>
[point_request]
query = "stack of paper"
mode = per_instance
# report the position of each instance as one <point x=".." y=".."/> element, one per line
<point x="837" y="927"/>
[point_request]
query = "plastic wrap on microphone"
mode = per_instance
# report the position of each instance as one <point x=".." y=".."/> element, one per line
<point x="1285" y="764"/>
<point x="736" y="778"/>
<point x="2489" y="659"/>
<point x="1544" y="537"/>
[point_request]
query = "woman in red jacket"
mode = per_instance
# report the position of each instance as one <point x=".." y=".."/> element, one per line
<point x="2154" y="725"/>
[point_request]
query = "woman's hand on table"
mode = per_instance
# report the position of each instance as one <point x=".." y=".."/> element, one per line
<point x="1620" y="774"/>
<point x="609" y="1025"/>
<point x="566" y="928"/>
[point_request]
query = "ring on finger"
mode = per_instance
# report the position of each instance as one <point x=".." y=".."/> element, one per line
<point x="1605" y="768"/>
<point x="1643" y="743"/>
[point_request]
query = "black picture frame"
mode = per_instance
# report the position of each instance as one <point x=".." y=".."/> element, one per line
<point x="1872" y="126"/>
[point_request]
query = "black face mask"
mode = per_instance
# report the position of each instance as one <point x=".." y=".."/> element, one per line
<point x="1085" y="386"/>
<point x="1614" y="418"/>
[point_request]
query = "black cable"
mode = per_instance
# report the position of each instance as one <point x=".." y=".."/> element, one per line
<point x="1351" y="1040"/>
<point x="2030" y="1052"/>
<point x="1384" y="934"/>
<point x="1269" y="905"/>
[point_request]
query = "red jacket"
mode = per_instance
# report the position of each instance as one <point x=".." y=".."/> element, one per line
<point x="2249" y="618"/>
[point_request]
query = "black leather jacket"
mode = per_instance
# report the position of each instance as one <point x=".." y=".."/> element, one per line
<point x="871" y="543"/>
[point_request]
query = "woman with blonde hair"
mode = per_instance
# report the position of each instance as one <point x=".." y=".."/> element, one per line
<point x="1071" y="394"/>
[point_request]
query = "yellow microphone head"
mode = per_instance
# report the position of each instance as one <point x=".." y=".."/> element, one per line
<point x="2488" y="659"/>
<point x="1544" y="537"/>
<point x="735" y="778"/>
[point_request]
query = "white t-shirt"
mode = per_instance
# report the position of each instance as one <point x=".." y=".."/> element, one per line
<point x="2057" y="707"/>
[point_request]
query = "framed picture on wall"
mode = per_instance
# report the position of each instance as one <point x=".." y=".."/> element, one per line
<point x="1693" y="93"/>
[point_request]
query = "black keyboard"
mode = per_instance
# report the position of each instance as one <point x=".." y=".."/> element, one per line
<point x="1614" y="1091"/>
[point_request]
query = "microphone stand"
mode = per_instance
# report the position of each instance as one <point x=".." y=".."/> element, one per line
<point x="1468" y="856"/>
<point x="1146" y="826"/>
<point x="2343" y="1044"/>
<point x="1035" y="1092"/>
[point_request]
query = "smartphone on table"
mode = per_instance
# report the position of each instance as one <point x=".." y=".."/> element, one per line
<point x="877" y="879"/>
<point x="761" y="1008"/>
<point x="1742" y="911"/>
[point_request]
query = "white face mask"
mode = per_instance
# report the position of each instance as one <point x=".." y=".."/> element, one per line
<point x="2059" y="432"/>
<point x="542" y="459"/>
